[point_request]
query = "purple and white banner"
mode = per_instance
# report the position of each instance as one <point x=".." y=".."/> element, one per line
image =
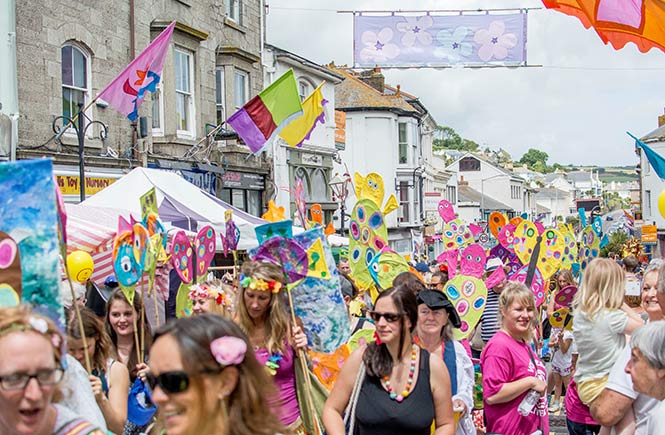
<point x="444" y="40"/>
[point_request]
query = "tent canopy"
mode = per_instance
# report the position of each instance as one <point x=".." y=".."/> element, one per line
<point x="180" y="203"/>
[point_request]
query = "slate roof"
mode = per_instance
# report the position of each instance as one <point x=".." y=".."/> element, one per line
<point x="551" y="193"/>
<point x="655" y="136"/>
<point x="467" y="194"/>
<point x="355" y="94"/>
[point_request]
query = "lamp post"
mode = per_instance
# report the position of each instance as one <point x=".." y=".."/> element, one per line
<point x="84" y="122"/>
<point x="340" y="189"/>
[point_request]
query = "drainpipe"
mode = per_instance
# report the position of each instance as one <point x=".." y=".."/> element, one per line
<point x="9" y="88"/>
<point x="132" y="55"/>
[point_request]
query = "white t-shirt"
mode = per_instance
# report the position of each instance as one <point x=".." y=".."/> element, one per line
<point x="599" y="342"/>
<point x="563" y="360"/>
<point x="620" y="381"/>
<point x="656" y="423"/>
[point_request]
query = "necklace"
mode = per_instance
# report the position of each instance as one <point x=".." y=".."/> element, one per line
<point x="409" y="381"/>
<point x="273" y="363"/>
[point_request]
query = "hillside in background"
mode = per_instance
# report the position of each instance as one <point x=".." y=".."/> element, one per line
<point x="608" y="174"/>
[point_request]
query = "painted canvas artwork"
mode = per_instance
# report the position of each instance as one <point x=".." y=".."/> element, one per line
<point x="29" y="217"/>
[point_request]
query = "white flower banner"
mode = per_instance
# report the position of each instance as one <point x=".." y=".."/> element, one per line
<point x="444" y="40"/>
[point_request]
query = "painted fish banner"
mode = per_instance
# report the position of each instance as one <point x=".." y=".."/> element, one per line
<point x="319" y="302"/>
<point x="30" y="219"/>
<point x="440" y="40"/>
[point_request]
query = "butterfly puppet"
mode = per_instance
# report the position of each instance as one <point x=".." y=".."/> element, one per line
<point x="191" y="261"/>
<point x="129" y="255"/>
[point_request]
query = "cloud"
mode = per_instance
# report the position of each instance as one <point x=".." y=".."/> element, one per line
<point x="576" y="108"/>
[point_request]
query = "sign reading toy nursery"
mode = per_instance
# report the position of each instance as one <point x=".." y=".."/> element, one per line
<point x="440" y="40"/>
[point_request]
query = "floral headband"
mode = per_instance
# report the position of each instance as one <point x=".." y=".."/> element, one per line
<point x="38" y="325"/>
<point x="259" y="284"/>
<point x="202" y="291"/>
<point x="228" y="350"/>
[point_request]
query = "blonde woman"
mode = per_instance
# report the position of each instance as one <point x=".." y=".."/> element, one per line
<point x="263" y="315"/>
<point x="601" y="321"/>
<point x="207" y="299"/>
<point x="512" y="370"/>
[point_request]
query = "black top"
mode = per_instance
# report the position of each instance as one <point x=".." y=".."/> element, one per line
<point x="378" y="414"/>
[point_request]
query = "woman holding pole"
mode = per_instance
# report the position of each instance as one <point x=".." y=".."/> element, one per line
<point x="276" y="339"/>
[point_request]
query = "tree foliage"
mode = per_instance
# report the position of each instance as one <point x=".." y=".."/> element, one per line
<point x="534" y="157"/>
<point x="616" y="241"/>
<point x="448" y="138"/>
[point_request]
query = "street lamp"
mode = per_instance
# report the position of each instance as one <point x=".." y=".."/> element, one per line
<point x="80" y="129"/>
<point x="340" y="191"/>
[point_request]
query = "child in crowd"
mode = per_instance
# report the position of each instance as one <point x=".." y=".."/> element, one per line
<point x="601" y="321"/>
<point x="562" y="365"/>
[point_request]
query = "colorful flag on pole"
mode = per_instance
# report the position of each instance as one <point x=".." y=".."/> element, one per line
<point x="265" y="115"/>
<point x="301" y="128"/>
<point x="655" y="159"/>
<point x="126" y="92"/>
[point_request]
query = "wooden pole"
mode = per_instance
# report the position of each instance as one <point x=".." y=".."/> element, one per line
<point x="303" y="363"/>
<point x="88" y="366"/>
<point x="142" y="348"/>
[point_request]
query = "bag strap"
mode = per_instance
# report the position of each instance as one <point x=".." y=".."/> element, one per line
<point x="350" y="412"/>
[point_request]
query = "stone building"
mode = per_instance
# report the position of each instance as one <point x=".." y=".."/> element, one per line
<point x="67" y="52"/>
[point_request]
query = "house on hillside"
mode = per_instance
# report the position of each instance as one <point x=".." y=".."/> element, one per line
<point x="586" y="184"/>
<point x="390" y="133"/>
<point x="558" y="202"/>
<point x="312" y="162"/>
<point x="493" y="183"/>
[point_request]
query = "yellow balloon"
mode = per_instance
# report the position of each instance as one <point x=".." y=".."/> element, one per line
<point x="80" y="266"/>
<point x="661" y="203"/>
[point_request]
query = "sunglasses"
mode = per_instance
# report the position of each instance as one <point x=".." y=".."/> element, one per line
<point x="434" y="285"/>
<point x="172" y="382"/>
<point x="390" y="317"/>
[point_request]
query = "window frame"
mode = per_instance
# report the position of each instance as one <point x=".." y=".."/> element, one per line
<point x="403" y="146"/>
<point x="159" y="93"/>
<point x="87" y="92"/>
<point x="220" y="95"/>
<point x="239" y="72"/>
<point x="469" y="164"/>
<point x="304" y="89"/>
<point x="404" y="204"/>
<point x="234" y="11"/>
<point x="190" y="132"/>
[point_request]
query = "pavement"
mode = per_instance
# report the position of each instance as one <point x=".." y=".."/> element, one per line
<point x="558" y="422"/>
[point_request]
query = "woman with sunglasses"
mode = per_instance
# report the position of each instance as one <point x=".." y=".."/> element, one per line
<point x="400" y="388"/>
<point x="109" y="378"/>
<point x="205" y="379"/>
<point x="436" y="319"/>
<point x="30" y="372"/>
<point x="262" y="315"/>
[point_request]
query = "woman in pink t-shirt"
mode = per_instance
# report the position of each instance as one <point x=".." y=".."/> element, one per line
<point x="511" y="369"/>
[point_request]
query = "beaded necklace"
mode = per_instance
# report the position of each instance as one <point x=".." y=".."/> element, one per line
<point x="409" y="382"/>
<point x="273" y="363"/>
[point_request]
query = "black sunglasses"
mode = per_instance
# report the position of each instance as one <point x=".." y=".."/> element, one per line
<point x="390" y="317"/>
<point x="173" y="382"/>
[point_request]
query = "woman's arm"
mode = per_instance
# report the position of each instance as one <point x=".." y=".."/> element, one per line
<point x="114" y="408"/>
<point x="564" y="345"/>
<point x="511" y="390"/>
<point x="333" y="410"/>
<point x="465" y="378"/>
<point x="550" y="306"/>
<point x="444" y="421"/>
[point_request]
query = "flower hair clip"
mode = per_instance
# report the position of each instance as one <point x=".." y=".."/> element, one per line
<point x="228" y="350"/>
<point x="259" y="284"/>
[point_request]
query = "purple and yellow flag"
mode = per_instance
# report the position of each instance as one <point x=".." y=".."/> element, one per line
<point x="301" y="128"/>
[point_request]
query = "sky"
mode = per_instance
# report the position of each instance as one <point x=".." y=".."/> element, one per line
<point x="577" y="107"/>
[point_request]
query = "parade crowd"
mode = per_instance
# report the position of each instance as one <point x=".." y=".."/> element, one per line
<point x="239" y="364"/>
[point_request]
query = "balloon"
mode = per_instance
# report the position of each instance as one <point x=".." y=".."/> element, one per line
<point x="80" y="266"/>
<point x="661" y="203"/>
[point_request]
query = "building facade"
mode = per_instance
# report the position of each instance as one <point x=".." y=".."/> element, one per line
<point x="212" y="68"/>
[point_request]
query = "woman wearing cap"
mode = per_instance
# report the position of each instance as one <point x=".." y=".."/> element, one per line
<point x="400" y="388"/>
<point x="206" y="379"/>
<point x="262" y="315"/>
<point x="31" y="370"/>
<point x="436" y="319"/>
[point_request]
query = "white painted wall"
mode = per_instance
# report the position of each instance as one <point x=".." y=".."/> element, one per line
<point x="652" y="186"/>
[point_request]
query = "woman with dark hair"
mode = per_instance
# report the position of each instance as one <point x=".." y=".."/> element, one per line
<point x="206" y="379"/>
<point x="398" y="388"/>
<point x="120" y="321"/>
<point x="109" y="378"/>
<point x="410" y="281"/>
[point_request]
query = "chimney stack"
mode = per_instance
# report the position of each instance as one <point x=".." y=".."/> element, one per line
<point x="374" y="78"/>
<point x="661" y="120"/>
